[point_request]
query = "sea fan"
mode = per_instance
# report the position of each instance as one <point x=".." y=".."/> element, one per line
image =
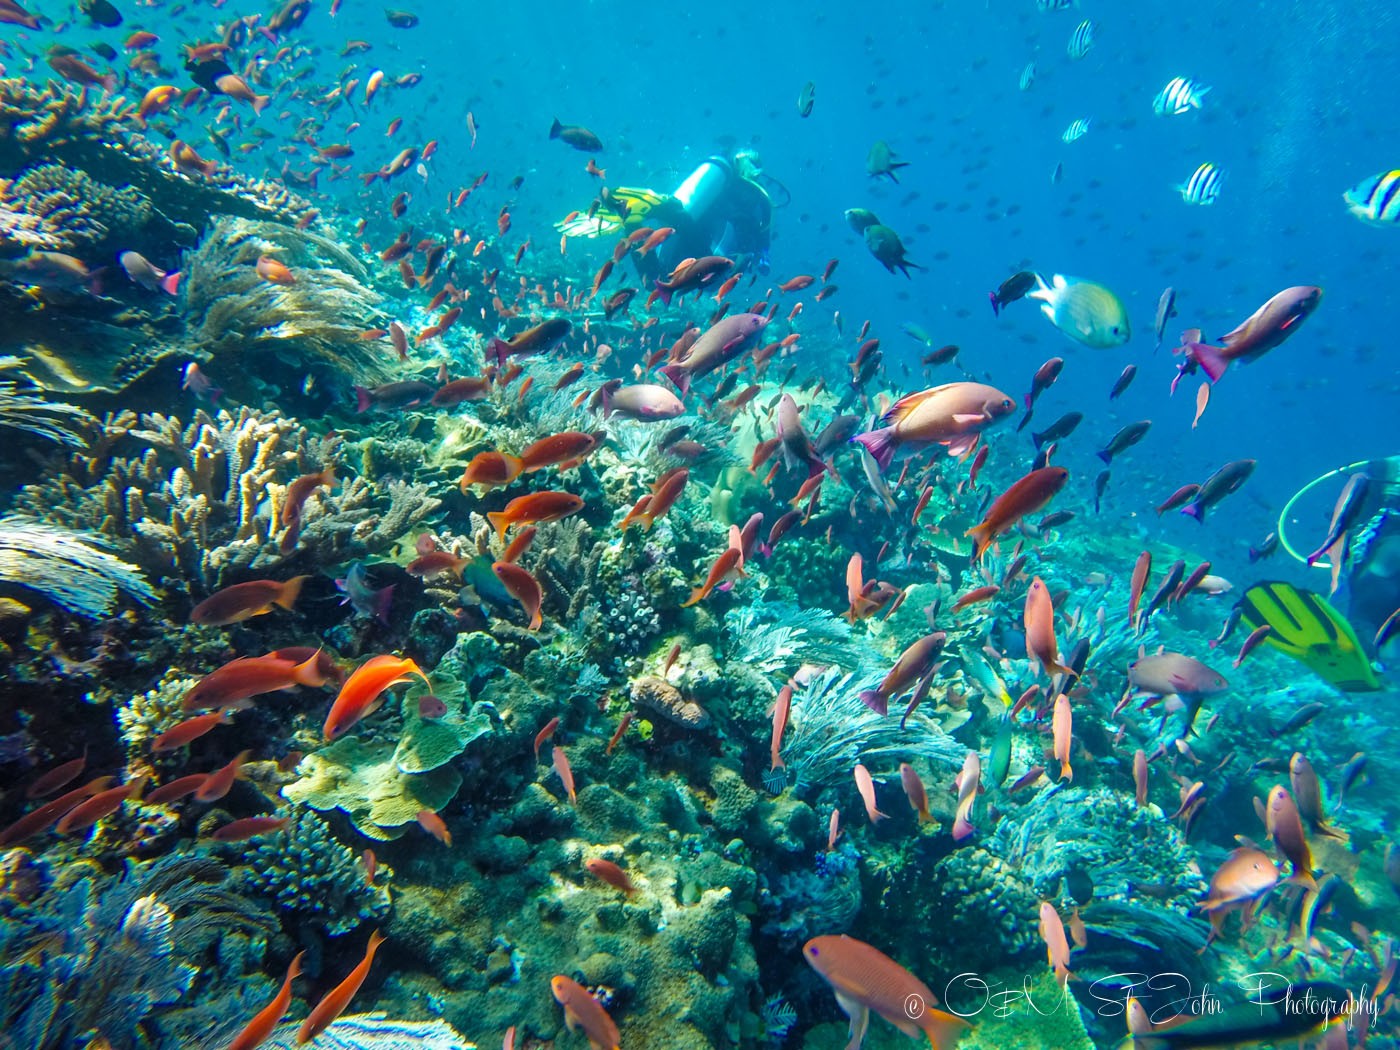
<point x="832" y="731"/>
<point x="53" y="420"/>
<point x="778" y="1018"/>
<point x="778" y="637"/>
<point x="66" y="568"/>
<point x="375" y="1032"/>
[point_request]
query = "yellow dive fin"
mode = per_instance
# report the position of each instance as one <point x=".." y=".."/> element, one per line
<point x="1307" y="628"/>
<point x="626" y="209"/>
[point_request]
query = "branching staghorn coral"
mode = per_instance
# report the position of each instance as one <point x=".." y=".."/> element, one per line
<point x="233" y="311"/>
<point x="66" y="568"/>
<point x="831" y="730"/>
<point x="200" y="504"/>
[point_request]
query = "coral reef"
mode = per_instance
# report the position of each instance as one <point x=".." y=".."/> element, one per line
<point x="100" y="135"/>
<point x="311" y="878"/>
<point x="821" y="899"/>
<point x="658" y="697"/>
<point x="144" y="716"/>
<point x="986" y="910"/>
<point x="65" y="568"/>
<point x="630" y="623"/>
<point x="776" y="638"/>
<point x="193" y="508"/>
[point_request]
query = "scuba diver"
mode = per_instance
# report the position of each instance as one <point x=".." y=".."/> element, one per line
<point x="723" y="207"/>
<point x="1361" y="550"/>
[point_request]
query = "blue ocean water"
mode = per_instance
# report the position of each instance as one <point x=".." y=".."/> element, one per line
<point x="1298" y="111"/>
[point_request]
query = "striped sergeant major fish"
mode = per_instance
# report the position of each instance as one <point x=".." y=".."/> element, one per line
<point x="1056" y="5"/>
<point x="1027" y="77"/>
<point x="1081" y="40"/>
<point x="1178" y="96"/>
<point x="1076" y="131"/>
<point x="1376" y="200"/>
<point x="1203" y="186"/>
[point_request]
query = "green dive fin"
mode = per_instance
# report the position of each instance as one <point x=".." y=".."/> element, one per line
<point x="1307" y="628"/>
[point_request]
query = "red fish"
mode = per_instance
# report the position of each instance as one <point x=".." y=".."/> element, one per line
<point x="191" y="729"/>
<point x="1025" y="496"/>
<point x="239" y="680"/>
<point x="57" y="777"/>
<point x="434" y="825"/>
<point x="611" y="874"/>
<point x="534" y="508"/>
<point x="86" y="814"/>
<point x="248" y="827"/>
<point x="36" y="820"/>
<point x="866" y="786"/>
<point x="363" y="692"/>
<point x="219" y="782"/>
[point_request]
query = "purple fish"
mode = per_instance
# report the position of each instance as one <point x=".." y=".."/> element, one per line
<point x="365" y="600"/>
<point x="721" y="343"/>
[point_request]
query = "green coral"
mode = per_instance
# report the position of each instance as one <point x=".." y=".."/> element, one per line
<point x="365" y="781"/>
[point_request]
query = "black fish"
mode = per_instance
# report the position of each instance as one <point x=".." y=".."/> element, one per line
<point x="1275" y="1013"/>
<point x="1014" y="287"/>
<point x="101" y="12"/>
<point x="1042" y="457"/>
<point x="1100" y="483"/>
<point x="1061" y="428"/>
<point x="105" y="51"/>
<point x="1219" y="485"/>
<point x="1125" y="439"/>
<point x="401" y="19"/>
<point x="1055" y="519"/>
<point x="1127" y="376"/>
<point x="1166" y="310"/>
<point x="1266" y="547"/>
<point x="1299" y="718"/>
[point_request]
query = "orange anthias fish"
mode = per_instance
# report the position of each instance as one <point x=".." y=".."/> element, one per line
<point x="565" y="771"/>
<point x="1025" y="496"/>
<point x="1052" y="932"/>
<point x="274" y="271"/>
<point x="866" y="786"/>
<point x="866" y="980"/>
<point x="524" y="588"/>
<point x="363" y="692"/>
<point x="1062" y="722"/>
<point x="237" y="681"/>
<point x="243" y="600"/>
<point x="435" y="826"/>
<point x="730" y="562"/>
<point x="191" y="729"/>
<point x="915" y="791"/>
<point x="490" y="470"/>
<point x="581" y="1010"/>
<point x="534" y="508"/>
<point x="1039" y="621"/>
<point x="563" y="450"/>
<point x="338" y="998"/>
<point x="270" y="1016"/>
